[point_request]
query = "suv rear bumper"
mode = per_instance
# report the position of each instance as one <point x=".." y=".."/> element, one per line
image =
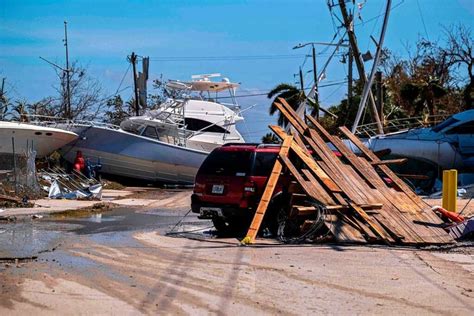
<point x="210" y="210"/>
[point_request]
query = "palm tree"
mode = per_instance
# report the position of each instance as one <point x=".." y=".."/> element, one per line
<point x="291" y="94"/>
<point x="270" y="138"/>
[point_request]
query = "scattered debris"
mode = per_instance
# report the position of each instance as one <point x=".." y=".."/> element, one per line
<point x="74" y="186"/>
<point x="348" y="195"/>
<point x="14" y="201"/>
<point x="462" y="230"/>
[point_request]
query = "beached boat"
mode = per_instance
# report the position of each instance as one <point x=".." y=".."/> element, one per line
<point x="167" y="144"/>
<point x="449" y="144"/>
<point x="16" y="137"/>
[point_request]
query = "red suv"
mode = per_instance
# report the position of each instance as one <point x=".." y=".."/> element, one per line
<point x="231" y="181"/>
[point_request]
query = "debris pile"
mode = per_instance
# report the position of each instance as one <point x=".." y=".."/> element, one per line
<point x="70" y="186"/>
<point x="357" y="199"/>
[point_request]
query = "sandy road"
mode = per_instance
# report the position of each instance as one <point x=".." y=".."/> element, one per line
<point x="167" y="275"/>
<point x="143" y="272"/>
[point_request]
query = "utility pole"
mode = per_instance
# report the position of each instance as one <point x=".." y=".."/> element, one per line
<point x="68" y="89"/>
<point x="379" y="93"/>
<point x="349" y="78"/>
<point x="133" y="60"/>
<point x="348" y="23"/>
<point x="316" y="89"/>
<point x="301" y="81"/>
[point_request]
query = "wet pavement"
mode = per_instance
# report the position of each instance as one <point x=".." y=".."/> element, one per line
<point x="26" y="238"/>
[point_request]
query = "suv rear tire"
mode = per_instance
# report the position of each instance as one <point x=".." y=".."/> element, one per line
<point x="231" y="226"/>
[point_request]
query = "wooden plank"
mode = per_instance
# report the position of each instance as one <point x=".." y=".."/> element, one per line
<point x="341" y="230"/>
<point x="325" y="197"/>
<point x="267" y="194"/>
<point x="351" y="189"/>
<point x="375" y="226"/>
<point x="10" y="198"/>
<point x="293" y="113"/>
<point x="373" y="158"/>
<point x="389" y="162"/>
<point x="307" y="188"/>
<point x="293" y="121"/>
<point x="413" y="176"/>
<point x="428" y="234"/>
<point x="393" y="201"/>
<point x="301" y="210"/>
<point x="309" y="161"/>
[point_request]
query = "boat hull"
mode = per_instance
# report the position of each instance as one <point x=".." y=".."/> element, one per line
<point x="125" y="154"/>
<point x="44" y="140"/>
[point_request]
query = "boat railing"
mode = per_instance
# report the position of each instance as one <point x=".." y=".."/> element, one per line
<point x="402" y="124"/>
<point x="52" y="121"/>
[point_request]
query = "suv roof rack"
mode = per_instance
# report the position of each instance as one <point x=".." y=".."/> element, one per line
<point x="268" y="145"/>
<point x="257" y="145"/>
<point x="240" y="144"/>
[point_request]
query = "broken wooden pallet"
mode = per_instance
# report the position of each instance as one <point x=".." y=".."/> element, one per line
<point x="360" y="205"/>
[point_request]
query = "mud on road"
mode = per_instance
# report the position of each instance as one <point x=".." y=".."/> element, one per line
<point x="123" y="262"/>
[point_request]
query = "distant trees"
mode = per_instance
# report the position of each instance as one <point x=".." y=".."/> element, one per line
<point x="86" y="100"/>
<point x="116" y="112"/>
<point x="459" y="50"/>
<point x="434" y="78"/>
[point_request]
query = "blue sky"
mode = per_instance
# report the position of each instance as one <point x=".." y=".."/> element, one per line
<point x="102" y="34"/>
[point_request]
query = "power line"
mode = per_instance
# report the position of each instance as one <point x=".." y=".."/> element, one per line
<point x="422" y="19"/>
<point x="260" y="94"/>
<point x="229" y="58"/>
<point x="377" y="16"/>
<point x="123" y="78"/>
<point x="219" y="58"/>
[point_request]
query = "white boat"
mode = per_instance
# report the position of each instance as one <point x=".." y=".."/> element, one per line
<point x="449" y="145"/>
<point x="167" y="144"/>
<point x="18" y="137"/>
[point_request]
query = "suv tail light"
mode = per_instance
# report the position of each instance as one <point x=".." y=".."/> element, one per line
<point x="199" y="188"/>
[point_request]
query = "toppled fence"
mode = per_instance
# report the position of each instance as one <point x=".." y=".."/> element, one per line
<point x="357" y="198"/>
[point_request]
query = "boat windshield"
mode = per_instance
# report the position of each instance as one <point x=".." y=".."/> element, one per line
<point x="450" y="121"/>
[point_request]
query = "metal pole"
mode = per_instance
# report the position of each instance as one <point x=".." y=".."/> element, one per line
<point x="14" y="164"/>
<point x="379" y="93"/>
<point x="133" y="60"/>
<point x="68" y="89"/>
<point x="349" y="79"/>
<point x="301" y="80"/>
<point x="316" y="90"/>
<point x="348" y="23"/>
<point x="369" y="81"/>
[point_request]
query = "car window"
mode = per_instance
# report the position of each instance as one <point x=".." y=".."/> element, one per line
<point x="444" y="124"/>
<point x="264" y="162"/>
<point x="466" y="128"/>
<point x="227" y="163"/>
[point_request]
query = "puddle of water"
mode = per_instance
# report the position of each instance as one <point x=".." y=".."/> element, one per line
<point x="117" y="221"/>
<point x="29" y="237"/>
<point x="26" y="239"/>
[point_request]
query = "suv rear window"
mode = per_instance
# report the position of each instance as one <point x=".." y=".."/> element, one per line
<point x="264" y="162"/>
<point x="227" y="163"/>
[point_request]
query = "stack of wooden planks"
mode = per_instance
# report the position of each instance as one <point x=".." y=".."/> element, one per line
<point x="364" y="201"/>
